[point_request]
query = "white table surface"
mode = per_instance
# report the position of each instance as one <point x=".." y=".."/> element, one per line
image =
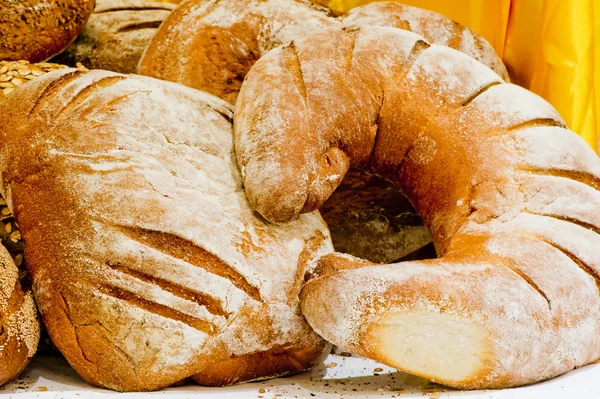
<point x="339" y="377"/>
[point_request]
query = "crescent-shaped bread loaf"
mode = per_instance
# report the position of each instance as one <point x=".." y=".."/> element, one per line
<point x="19" y="325"/>
<point x="210" y="45"/>
<point x="510" y="195"/>
<point x="154" y="267"/>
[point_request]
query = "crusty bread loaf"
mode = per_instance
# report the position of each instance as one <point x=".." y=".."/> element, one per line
<point x="155" y="267"/>
<point x="229" y="36"/>
<point x="116" y="35"/>
<point x="19" y="326"/>
<point x="509" y="194"/>
<point x="35" y="30"/>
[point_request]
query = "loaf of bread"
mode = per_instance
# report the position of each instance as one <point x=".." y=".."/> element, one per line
<point x="229" y="36"/>
<point x="116" y="35"/>
<point x="154" y="267"/>
<point x="508" y="192"/>
<point x="19" y="326"/>
<point x="35" y="30"/>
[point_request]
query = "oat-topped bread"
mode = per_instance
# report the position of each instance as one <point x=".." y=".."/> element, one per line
<point x="19" y="325"/>
<point x="116" y="35"/>
<point x="210" y="45"/>
<point x="510" y="195"/>
<point x="155" y="267"/>
<point x="35" y="30"/>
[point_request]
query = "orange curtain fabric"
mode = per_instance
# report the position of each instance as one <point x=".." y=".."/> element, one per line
<point x="551" y="47"/>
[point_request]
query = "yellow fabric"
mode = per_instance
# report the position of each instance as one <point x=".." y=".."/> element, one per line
<point x="551" y="47"/>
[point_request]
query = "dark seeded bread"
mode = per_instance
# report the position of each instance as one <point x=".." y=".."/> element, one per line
<point x="35" y="30"/>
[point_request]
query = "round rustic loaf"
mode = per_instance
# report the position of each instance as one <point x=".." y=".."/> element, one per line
<point x="19" y="326"/>
<point x="154" y="268"/>
<point x="510" y="195"/>
<point x="229" y="36"/>
<point x="35" y="30"/>
<point x="116" y="35"/>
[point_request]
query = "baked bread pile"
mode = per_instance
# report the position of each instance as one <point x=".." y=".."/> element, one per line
<point x="188" y="244"/>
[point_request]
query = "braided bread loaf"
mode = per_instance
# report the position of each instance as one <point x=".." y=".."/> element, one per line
<point x="230" y="36"/>
<point x="155" y="267"/>
<point x="509" y="194"/>
<point x="19" y="326"/>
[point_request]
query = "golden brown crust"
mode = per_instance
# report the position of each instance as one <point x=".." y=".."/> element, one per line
<point x="230" y="36"/>
<point x="19" y="326"/>
<point x="134" y="286"/>
<point x="35" y="30"/>
<point x="510" y="195"/>
<point x="116" y="35"/>
<point x="253" y="367"/>
<point x="434" y="27"/>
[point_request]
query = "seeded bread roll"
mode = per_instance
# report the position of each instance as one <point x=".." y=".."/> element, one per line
<point x="510" y="195"/>
<point x="154" y="268"/>
<point x="19" y="326"/>
<point x="35" y="30"/>
<point x="116" y="35"/>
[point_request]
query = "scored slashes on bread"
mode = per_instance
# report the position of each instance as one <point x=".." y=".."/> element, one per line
<point x="154" y="267"/>
<point x="35" y="30"/>
<point x="210" y="45"/>
<point x="230" y="36"/>
<point x="19" y="325"/>
<point x="510" y="195"/>
<point x="116" y="35"/>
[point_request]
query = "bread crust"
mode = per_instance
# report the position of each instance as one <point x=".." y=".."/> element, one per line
<point x="35" y="30"/>
<point x="116" y="35"/>
<point x="19" y="326"/>
<point x="510" y="195"/>
<point x="154" y="268"/>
